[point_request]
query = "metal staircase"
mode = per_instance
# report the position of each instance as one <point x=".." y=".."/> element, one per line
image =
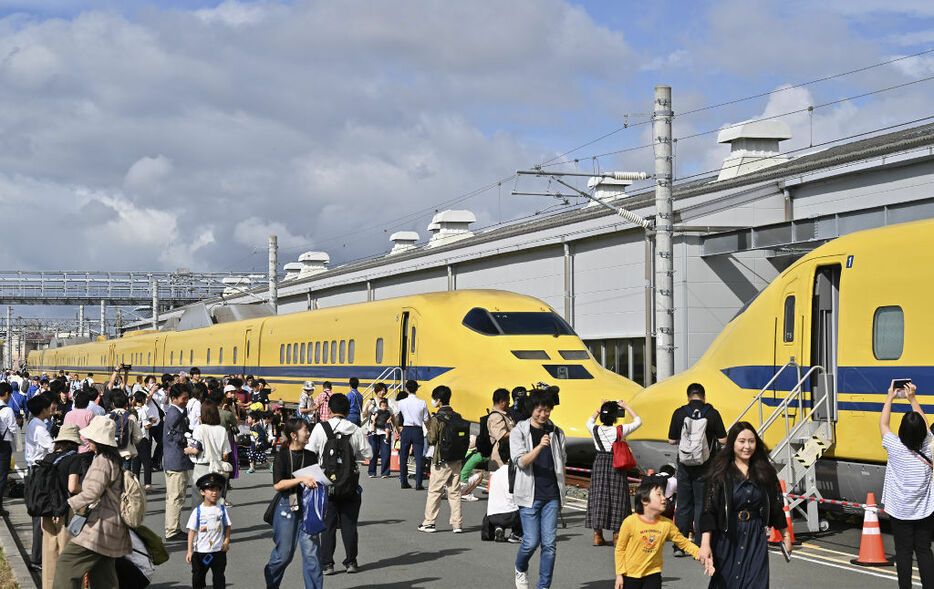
<point x="393" y="377"/>
<point x="807" y="436"/>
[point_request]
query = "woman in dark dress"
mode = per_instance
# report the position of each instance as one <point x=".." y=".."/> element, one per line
<point x="743" y="499"/>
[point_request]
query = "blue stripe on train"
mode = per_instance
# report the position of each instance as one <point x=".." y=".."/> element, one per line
<point x="298" y="372"/>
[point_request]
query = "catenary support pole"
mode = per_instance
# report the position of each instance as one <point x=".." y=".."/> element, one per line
<point x="9" y="336"/>
<point x="273" y="273"/>
<point x="80" y="320"/>
<point x="155" y="304"/>
<point x="664" y="251"/>
<point x="103" y="319"/>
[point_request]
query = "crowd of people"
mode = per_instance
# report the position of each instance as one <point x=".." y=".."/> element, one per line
<point x="195" y="429"/>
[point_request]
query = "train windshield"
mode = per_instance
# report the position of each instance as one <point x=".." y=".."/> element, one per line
<point x="517" y="323"/>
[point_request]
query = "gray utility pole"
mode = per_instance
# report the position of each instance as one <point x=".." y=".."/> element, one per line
<point x="155" y="304"/>
<point x="273" y="273"/>
<point x="80" y="320"/>
<point x="103" y="319"/>
<point x="664" y="250"/>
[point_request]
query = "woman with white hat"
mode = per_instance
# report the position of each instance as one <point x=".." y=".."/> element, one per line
<point x="69" y="467"/>
<point x="104" y="537"/>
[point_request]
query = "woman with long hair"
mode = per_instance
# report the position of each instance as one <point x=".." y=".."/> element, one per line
<point x="104" y="537"/>
<point x="608" y="501"/>
<point x="742" y="498"/>
<point x="907" y="493"/>
<point x="287" y="529"/>
<point x="211" y="447"/>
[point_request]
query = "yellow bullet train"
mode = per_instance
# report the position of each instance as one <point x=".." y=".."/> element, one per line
<point x="471" y="340"/>
<point x="858" y="306"/>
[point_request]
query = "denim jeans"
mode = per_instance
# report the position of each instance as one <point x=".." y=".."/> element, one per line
<point x="380" y="446"/>
<point x="690" y="499"/>
<point x="539" y="526"/>
<point x="287" y="532"/>
<point x="411" y="437"/>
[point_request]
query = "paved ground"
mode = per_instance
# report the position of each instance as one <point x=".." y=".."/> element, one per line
<point x="393" y="554"/>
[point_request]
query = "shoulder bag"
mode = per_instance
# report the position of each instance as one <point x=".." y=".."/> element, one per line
<point x="623" y="459"/>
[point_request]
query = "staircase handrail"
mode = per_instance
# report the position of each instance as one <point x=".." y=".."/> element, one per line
<point x="370" y="391"/>
<point x="758" y="397"/>
<point x="795" y="393"/>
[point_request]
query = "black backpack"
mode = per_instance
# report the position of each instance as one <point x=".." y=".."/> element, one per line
<point x="455" y="437"/>
<point x="484" y="443"/>
<point x="381" y="419"/>
<point x="44" y="495"/>
<point x="337" y="461"/>
<point x="122" y="434"/>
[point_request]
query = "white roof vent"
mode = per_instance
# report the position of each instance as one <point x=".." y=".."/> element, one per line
<point x="753" y="146"/>
<point x="452" y="226"/>
<point x="606" y="189"/>
<point x="292" y="270"/>
<point x="313" y="263"/>
<point x="403" y="241"/>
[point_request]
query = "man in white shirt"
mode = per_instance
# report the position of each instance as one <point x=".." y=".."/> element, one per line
<point x="413" y="415"/>
<point x="343" y="511"/>
<point x="39" y="444"/>
<point x="94" y="406"/>
<point x="8" y="432"/>
<point x="154" y="399"/>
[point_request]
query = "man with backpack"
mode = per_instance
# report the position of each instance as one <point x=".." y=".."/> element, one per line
<point x="450" y="435"/>
<point x="39" y="444"/>
<point x="339" y="446"/>
<point x="499" y="423"/>
<point x="129" y="433"/>
<point x="694" y="428"/>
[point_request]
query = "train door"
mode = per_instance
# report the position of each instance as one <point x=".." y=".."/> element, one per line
<point x="824" y="329"/>
<point x="408" y="348"/>
<point x="787" y="345"/>
<point x="250" y="351"/>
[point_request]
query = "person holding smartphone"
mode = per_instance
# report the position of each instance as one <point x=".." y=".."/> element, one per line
<point x="907" y="492"/>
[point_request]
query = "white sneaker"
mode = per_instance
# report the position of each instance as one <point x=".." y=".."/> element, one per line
<point x="458" y="530"/>
<point x="427" y="528"/>
<point x="469" y="497"/>
<point x="522" y="580"/>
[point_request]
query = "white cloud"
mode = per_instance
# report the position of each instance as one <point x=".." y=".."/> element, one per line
<point x="232" y="13"/>
<point x="147" y="173"/>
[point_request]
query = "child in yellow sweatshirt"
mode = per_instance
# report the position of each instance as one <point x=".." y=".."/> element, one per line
<point x="642" y="537"/>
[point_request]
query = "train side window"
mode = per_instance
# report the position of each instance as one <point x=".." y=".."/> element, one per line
<point x="191" y="357"/>
<point x="317" y="352"/>
<point x="311" y="353"/>
<point x="343" y="355"/>
<point x="288" y="354"/>
<point x="220" y="355"/>
<point x="181" y="357"/>
<point x="789" y="323"/>
<point x="208" y="360"/>
<point x="350" y="351"/>
<point x="301" y="354"/>
<point x="295" y="353"/>
<point x="333" y="351"/>
<point x="281" y="353"/>
<point x="171" y="358"/>
<point x="413" y="339"/>
<point x="248" y="349"/>
<point x="149" y="359"/>
<point x="235" y="355"/>
<point x="888" y="333"/>
<point x="379" y="350"/>
<point x="324" y="353"/>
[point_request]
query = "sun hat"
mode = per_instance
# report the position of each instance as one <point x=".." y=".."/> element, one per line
<point x="229" y="388"/>
<point x="69" y="433"/>
<point x="102" y="430"/>
<point x="308" y="386"/>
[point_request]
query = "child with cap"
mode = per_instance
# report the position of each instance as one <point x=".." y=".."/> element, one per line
<point x="209" y="534"/>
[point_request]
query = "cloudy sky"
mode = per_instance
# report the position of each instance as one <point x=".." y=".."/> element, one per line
<point x="158" y="135"/>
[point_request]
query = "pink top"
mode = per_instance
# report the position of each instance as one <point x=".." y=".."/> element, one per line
<point x="81" y="418"/>
<point x="324" y="412"/>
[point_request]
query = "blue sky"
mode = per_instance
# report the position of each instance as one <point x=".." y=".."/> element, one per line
<point x="182" y="133"/>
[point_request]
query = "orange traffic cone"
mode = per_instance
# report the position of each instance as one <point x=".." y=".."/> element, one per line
<point x="775" y="537"/>
<point x="787" y="511"/>
<point x="871" y="552"/>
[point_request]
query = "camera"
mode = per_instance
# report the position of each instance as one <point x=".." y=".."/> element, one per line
<point x="525" y="402"/>
<point x="125" y="366"/>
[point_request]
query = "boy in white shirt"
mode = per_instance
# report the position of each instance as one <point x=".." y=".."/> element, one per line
<point x="209" y="534"/>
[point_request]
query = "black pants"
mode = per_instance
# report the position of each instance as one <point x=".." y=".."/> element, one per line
<point x="653" y="581"/>
<point x="199" y="570"/>
<point x="690" y="499"/>
<point x="143" y="459"/>
<point x="342" y="513"/>
<point x="6" y="452"/>
<point x="913" y="536"/>
<point x="156" y="432"/>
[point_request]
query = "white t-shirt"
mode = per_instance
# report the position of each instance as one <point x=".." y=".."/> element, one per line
<point x="209" y="531"/>
<point x="142" y="415"/>
<point x="39" y="442"/>
<point x="194" y="412"/>
<point x="607" y="433"/>
<point x="907" y="492"/>
<point x="211" y="437"/>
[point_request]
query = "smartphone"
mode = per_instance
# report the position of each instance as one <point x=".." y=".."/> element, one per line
<point x="785" y="552"/>
<point x="209" y="557"/>
<point x="900" y="383"/>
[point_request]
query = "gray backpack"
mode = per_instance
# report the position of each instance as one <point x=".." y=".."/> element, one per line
<point x="693" y="449"/>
